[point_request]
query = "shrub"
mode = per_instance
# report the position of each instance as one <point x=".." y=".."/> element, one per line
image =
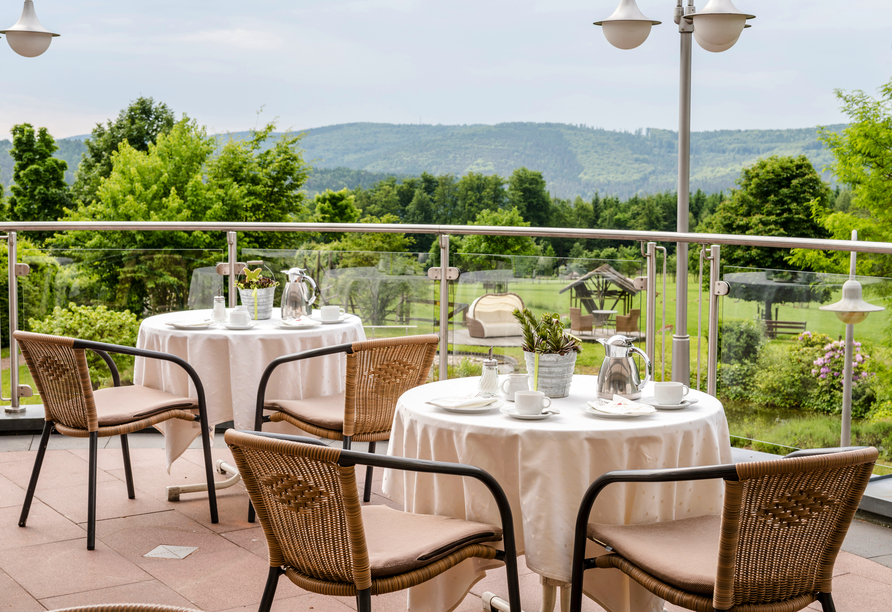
<point x="736" y="380"/>
<point x="95" y="323"/>
<point x="741" y="340"/>
<point x="828" y="369"/>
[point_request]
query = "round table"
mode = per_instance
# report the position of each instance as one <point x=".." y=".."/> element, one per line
<point x="231" y="362"/>
<point x="545" y="467"/>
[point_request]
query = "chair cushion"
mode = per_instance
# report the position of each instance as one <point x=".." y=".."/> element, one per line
<point x="120" y="405"/>
<point x="326" y="411"/>
<point x="400" y="542"/>
<point x="659" y="548"/>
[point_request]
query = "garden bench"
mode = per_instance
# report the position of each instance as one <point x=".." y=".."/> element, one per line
<point x="773" y="328"/>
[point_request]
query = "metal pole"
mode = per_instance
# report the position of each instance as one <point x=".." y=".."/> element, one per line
<point x="712" y="333"/>
<point x="444" y="306"/>
<point x="12" y="256"/>
<point x="681" y="345"/>
<point x="232" y="241"/>
<point x="650" y="325"/>
<point x="846" y="437"/>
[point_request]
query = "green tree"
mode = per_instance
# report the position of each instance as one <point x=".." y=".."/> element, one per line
<point x="177" y="179"/>
<point x="776" y="198"/>
<point x="479" y="192"/>
<point x="40" y="192"/>
<point x="139" y="125"/>
<point x="500" y="245"/>
<point x="253" y="181"/>
<point x="335" y="207"/>
<point x="528" y="194"/>
<point x="862" y="155"/>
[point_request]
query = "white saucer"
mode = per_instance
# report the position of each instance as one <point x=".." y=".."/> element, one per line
<point x="610" y="415"/>
<point x="304" y="324"/>
<point x="196" y="325"/>
<point x="232" y="326"/>
<point x="653" y="402"/>
<point x="340" y="319"/>
<point x="446" y="403"/>
<point x="512" y="412"/>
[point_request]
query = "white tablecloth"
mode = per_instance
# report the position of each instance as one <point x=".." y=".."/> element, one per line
<point x="231" y="362"/>
<point x="545" y="467"/>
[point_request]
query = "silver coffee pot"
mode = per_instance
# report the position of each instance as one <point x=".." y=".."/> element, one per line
<point x="297" y="297"/>
<point x="619" y="372"/>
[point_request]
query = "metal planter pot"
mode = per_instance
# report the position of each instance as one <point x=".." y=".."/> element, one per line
<point x="263" y="307"/>
<point x="555" y="373"/>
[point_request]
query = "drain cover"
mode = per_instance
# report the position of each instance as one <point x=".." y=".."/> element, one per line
<point x="166" y="551"/>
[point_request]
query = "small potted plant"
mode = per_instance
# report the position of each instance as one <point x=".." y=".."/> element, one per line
<point x="258" y="293"/>
<point x="549" y="351"/>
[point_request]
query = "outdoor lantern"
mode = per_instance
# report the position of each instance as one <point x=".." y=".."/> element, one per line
<point x="627" y="27"/>
<point x="28" y="37"/>
<point x="851" y="308"/>
<point x="718" y="26"/>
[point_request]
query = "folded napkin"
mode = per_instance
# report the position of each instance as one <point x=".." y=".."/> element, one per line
<point x="202" y="323"/>
<point x="622" y="405"/>
<point x="302" y="322"/>
<point x="461" y="402"/>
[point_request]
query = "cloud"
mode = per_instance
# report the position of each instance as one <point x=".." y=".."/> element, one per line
<point x="251" y="40"/>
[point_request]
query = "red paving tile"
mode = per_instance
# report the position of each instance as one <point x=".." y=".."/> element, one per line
<point x="228" y="571"/>
<point x="15" y="598"/>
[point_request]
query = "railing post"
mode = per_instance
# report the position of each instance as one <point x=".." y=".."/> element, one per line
<point x="232" y="240"/>
<point x="650" y="322"/>
<point x="444" y="306"/>
<point x="715" y="291"/>
<point x="12" y="257"/>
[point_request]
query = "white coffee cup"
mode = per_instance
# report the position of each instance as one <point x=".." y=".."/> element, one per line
<point x="670" y="392"/>
<point x="239" y="316"/>
<point x="530" y="402"/>
<point x="513" y="384"/>
<point x="331" y="313"/>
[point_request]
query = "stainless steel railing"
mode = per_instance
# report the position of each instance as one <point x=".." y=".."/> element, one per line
<point x="712" y="241"/>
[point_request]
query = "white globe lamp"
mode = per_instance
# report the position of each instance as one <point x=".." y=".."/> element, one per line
<point x="718" y="26"/>
<point x="627" y="27"/>
<point x="28" y="37"/>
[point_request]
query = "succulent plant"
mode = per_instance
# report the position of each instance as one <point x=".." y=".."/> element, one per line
<point x="254" y="280"/>
<point x="546" y="335"/>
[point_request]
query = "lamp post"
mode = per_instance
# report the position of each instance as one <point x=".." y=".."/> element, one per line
<point x="716" y="28"/>
<point x="851" y="309"/>
<point x="28" y="37"/>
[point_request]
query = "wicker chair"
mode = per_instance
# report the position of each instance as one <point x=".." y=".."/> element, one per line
<point x="321" y="537"/>
<point x="126" y="608"/>
<point x="59" y="368"/>
<point x="580" y="322"/>
<point x="628" y="323"/>
<point x="378" y="372"/>
<point x="771" y="550"/>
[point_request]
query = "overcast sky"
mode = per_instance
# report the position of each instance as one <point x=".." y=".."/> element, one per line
<point x="321" y="62"/>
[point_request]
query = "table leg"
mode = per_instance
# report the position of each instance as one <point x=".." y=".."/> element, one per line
<point x="549" y="597"/>
<point x="174" y="491"/>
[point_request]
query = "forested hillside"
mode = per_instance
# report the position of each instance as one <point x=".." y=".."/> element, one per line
<point x="574" y="159"/>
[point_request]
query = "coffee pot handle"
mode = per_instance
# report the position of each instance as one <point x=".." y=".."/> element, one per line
<point x="312" y="290"/>
<point x="648" y="367"/>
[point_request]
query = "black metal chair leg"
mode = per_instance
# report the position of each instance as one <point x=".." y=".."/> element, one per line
<point x="91" y="491"/>
<point x="269" y="591"/>
<point x="251" y="513"/>
<point x="826" y="602"/>
<point x="128" y="473"/>
<point x="367" y="491"/>
<point x="348" y="440"/>
<point x="208" y="466"/>
<point x="35" y="472"/>
<point x="364" y="600"/>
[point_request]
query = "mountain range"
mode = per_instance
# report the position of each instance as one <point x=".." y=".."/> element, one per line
<point x="574" y="159"/>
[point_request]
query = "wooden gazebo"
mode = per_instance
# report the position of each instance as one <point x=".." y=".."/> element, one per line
<point x="602" y="289"/>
